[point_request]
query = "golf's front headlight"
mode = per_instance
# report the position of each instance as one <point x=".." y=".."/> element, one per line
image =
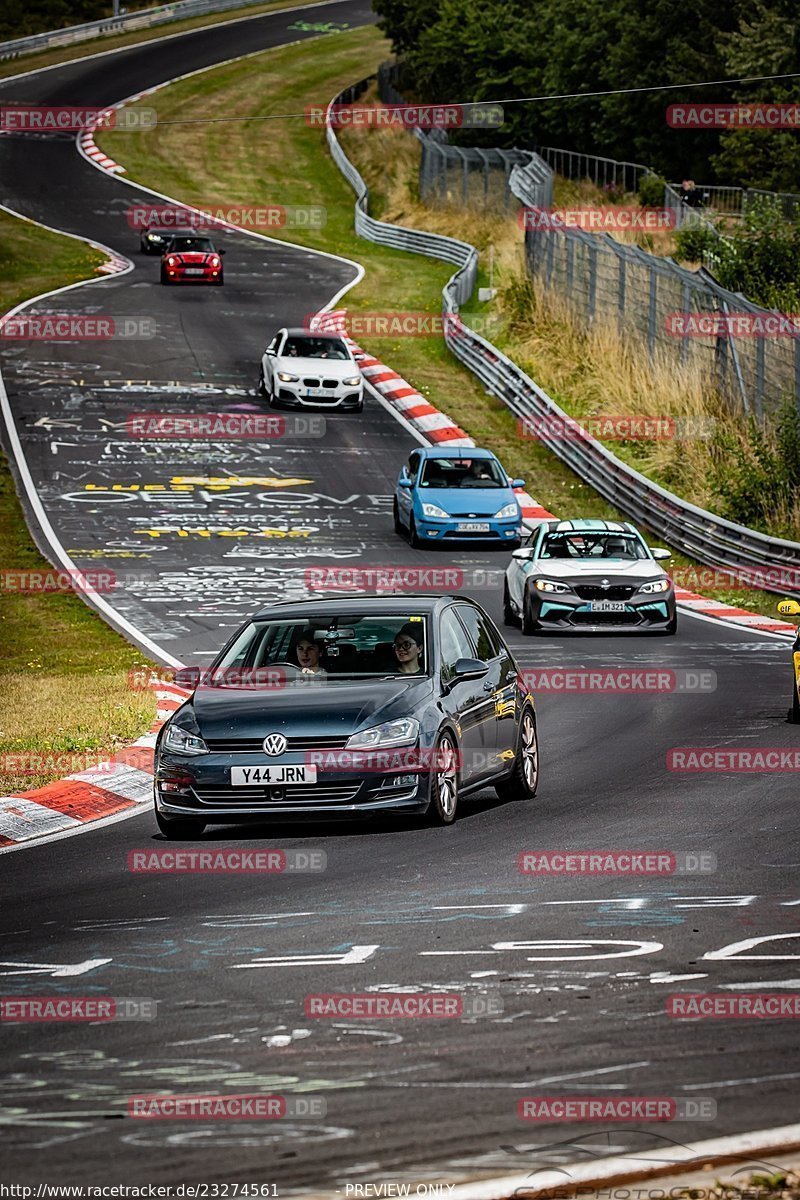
<point x="655" y="585"/>
<point x="181" y="741"/>
<point x="352" y="381"/>
<point x="403" y="732"/>
<point x="433" y="510"/>
<point x="285" y="377"/>
<point x="551" y="585"/>
<point x="508" y="510"/>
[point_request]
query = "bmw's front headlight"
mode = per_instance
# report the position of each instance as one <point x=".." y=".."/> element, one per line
<point x="508" y="510"/>
<point x="393" y="733"/>
<point x="433" y="510"/>
<point x="285" y="377"/>
<point x="181" y="741"/>
<point x="550" y="585"/>
<point x="352" y="381"/>
<point x="655" y="585"/>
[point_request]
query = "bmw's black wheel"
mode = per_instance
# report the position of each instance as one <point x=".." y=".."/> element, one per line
<point x="179" y="828"/>
<point x="672" y="627"/>
<point x="524" y="779"/>
<point x="509" y="616"/>
<point x="444" y="783"/>
<point x="529" y="624"/>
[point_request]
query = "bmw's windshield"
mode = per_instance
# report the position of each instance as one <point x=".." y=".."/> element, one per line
<point x="603" y="544"/>
<point x="301" y="347"/>
<point x="462" y="473"/>
<point x="270" y="653"/>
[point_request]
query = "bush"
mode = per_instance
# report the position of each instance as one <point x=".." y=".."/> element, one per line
<point x="756" y="476"/>
<point x="696" y="243"/>
<point x="651" y="191"/>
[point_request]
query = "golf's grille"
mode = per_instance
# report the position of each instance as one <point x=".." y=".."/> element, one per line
<point x="281" y="797"/>
<point x="294" y="745"/>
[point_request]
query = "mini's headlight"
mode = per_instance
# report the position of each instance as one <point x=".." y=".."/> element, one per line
<point x="403" y="732"/>
<point x="433" y="510"/>
<point x="655" y="585"/>
<point x="550" y="585"/>
<point x="508" y="510"/>
<point x="171" y="261"/>
<point x="285" y="377"/>
<point x="352" y="381"/>
<point x="181" y="741"/>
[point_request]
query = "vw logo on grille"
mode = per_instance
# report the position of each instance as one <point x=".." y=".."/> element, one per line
<point x="274" y="743"/>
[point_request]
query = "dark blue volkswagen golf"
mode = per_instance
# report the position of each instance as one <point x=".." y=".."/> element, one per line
<point x="347" y="707"/>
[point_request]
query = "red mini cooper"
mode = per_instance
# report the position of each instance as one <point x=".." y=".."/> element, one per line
<point x="192" y="259"/>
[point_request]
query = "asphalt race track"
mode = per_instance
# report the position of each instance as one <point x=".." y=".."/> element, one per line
<point x="201" y="534"/>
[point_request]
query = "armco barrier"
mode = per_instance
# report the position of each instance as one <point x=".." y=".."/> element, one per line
<point x="708" y="538"/>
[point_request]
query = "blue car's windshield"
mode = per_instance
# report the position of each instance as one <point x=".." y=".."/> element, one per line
<point x="462" y="473"/>
<point x="318" y="649"/>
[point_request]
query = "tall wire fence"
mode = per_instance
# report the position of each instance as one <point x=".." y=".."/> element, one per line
<point x="750" y="353"/>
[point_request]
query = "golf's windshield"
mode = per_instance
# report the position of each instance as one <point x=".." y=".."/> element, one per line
<point x="603" y="544"/>
<point x="462" y="473"/>
<point x="282" y="653"/>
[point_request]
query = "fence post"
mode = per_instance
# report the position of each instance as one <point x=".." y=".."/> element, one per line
<point x="652" y="313"/>
<point x="592" y="278"/>
<point x="685" y="301"/>
<point x="761" y="350"/>
<point x="549" y="260"/>
<point x="570" y="263"/>
<point x="621" y="269"/>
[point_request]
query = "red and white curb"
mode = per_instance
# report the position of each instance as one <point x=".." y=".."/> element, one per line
<point x="124" y="782"/>
<point x="90" y="150"/>
<point x="726" y="612"/>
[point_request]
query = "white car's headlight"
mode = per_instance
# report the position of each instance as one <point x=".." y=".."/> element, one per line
<point x="508" y="510"/>
<point x="656" y="585"/>
<point x="180" y="741"/>
<point x="352" y="381"/>
<point x="285" y="377"/>
<point x="550" y="585"/>
<point x="393" y="733"/>
<point x="433" y="510"/>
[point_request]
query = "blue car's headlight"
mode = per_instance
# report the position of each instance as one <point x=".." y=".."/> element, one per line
<point x="656" y="585"/>
<point x="433" y="510"/>
<point x="181" y="741"/>
<point x="393" y="733"/>
<point x="508" y="510"/>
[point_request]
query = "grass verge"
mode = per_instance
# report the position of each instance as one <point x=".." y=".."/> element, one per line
<point x="224" y="163"/>
<point x="63" y="672"/>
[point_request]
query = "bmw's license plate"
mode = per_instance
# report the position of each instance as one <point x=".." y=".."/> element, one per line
<point x="473" y="527"/>
<point x="320" y="391"/>
<point x="193" y="270"/>
<point x="273" y="776"/>
<point x="607" y="606"/>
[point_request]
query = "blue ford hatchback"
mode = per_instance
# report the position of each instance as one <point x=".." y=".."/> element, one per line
<point x="456" y="493"/>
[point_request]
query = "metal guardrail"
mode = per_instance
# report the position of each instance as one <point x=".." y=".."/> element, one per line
<point x="710" y="539"/>
<point x="142" y="19"/>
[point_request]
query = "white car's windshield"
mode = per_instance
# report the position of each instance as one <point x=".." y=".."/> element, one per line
<point x="296" y="347"/>
<point x="592" y="545"/>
